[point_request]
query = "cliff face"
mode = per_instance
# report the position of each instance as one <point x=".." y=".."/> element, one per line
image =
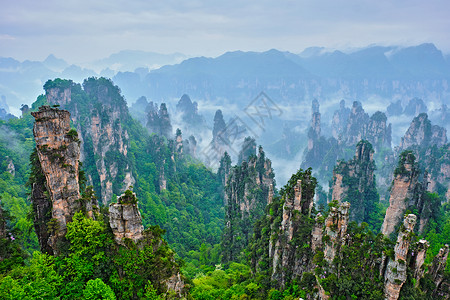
<point x="125" y="219"/>
<point x="336" y="230"/>
<point x="339" y="121"/>
<point x="328" y="253"/>
<point x="59" y="152"/>
<point x="189" y="112"/>
<point x="396" y="270"/>
<point x="436" y="271"/>
<point x="429" y="144"/>
<point x="287" y="259"/>
<point x="354" y="181"/>
<point x="407" y="191"/>
<point x="318" y="146"/>
<point x="246" y="195"/>
<point x="421" y="133"/>
<point x="349" y="127"/>
<point x="248" y="149"/>
<point x="97" y="112"/>
<point x="159" y="121"/>
<point x="354" y="129"/>
<point x="360" y="126"/>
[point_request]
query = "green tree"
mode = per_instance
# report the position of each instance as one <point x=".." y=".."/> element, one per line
<point x="96" y="289"/>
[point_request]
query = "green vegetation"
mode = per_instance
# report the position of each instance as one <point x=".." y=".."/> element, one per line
<point x="189" y="213"/>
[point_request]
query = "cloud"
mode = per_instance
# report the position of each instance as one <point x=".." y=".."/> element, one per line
<point x="213" y="27"/>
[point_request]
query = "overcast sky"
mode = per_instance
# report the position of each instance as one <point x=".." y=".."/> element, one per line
<point x="81" y="31"/>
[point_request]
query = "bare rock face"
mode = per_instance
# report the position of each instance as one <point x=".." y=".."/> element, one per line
<point x="97" y="112"/>
<point x="421" y="133"/>
<point x="396" y="271"/>
<point x="11" y="169"/>
<point x="125" y="219"/>
<point x="248" y="149"/>
<point x="60" y="95"/>
<point x="246" y="195"/>
<point x="59" y="154"/>
<point x="420" y="255"/>
<point x="360" y="126"/>
<point x="436" y="270"/>
<point x="406" y="191"/>
<point x="378" y="132"/>
<point x="283" y="251"/>
<point x="336" y="229"/>
<point x="176" y="284"/>
<point x="317" y="233"/>
<point x="339" y="121"/>
<point x="42" y="207"/>
<point x="354" y="129"/>
<point x="354" y="181"/>
<point x="318" y="147"/>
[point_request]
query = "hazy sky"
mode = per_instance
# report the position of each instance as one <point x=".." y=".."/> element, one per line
<point x="80" y="30"/>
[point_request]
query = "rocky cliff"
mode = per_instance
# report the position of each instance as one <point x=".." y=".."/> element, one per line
<point x="422" y="134"/>
<point x="220" y="141"/>
<point x="436" y="272"/>
<point x="58" y="151"/>
<point x="159" y="121"/>
<point x="125" y="219"/>
<point x="189" y="112"/>
<point x="98" y="112"/>
<point x="349" y="127"/>
<point x="354" y="181"/>
<point x="339" y="121"/>
<point x="429" y="144"/>
<point x="407" y="191"/>
<point x="292" y="227"/>
<point x="335" y="230"/>
<point x="396" y="270"/>
<point x="246" y="195"/>
<point x="360" y="126"/>
<point x="326" y="254"/>
<point x="320" y="153"/>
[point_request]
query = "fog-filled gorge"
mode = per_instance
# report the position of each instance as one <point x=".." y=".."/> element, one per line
<point x="209" y="150"/>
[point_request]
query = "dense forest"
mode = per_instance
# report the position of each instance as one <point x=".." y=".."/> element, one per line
<point x="96" y="205"/>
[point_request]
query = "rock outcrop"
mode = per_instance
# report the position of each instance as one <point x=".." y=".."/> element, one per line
<point x="59" y="152"/>
<point x="248" y="149"/>
<point x="97" y="112"/>
<point x="336" y="230"/>
<point x="339" y="121"/>
<point x="396" y="270"/>
<point x="422" y="134"/>
<point x="125" y="219"/>
<point x="189" y="112"/>
<point x="354" y="181"/>
<point x="407" y="191"/>
<point x="286" y="260"/>
<point x="159" y="121"/>
<point x="318" y="146"/>
<point x="220" y="141"/>
<point x="354" y="129"/>
<point x="429" y="144"/>
<point x="246" y="196"/>
<point x="360" y="126"/>
<point x="436" y="271"/>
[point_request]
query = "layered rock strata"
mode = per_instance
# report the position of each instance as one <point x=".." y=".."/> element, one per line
<point x="125" y="219"/>
<point x="59" y="154"/>
<point x="406" y="190"/>
<point x="396" y="270"/>
<point x="354" y="181"/>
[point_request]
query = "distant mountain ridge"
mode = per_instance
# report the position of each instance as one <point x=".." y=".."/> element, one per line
<point x="391" y="72"/>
